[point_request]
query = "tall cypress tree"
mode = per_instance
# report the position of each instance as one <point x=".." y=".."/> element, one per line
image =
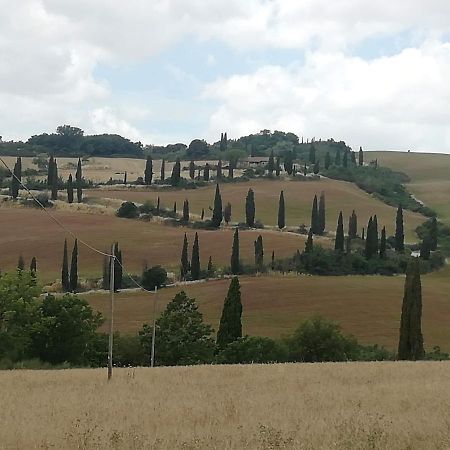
<point x="176" y="173"/>
<point x="70" y="189"/>
<point x="217" y="215"/>
<point x="105" y="277"/>
<point x="55" y="181"/>
<point x="369" y="240"/>
<point x="210" y="268"/>
<point x="65" y="281"/>
<point x="33" y="267"/>
<point x="219" y="170"/>
<point x="206" y="172"/>
<point x="315" y="217"/>
<point x="259" y="253"/>
<point x="250" y="208"/>
<point x="195" y="261"/>
<point x="271" y="164"/>
<point x="50" y="171"/>
<point x="227" y="213"/>
<point x="186" y="211"/>
<point x="158" y="206"/>
<point x="281" y="212"/>
<point x="148" y="172"/>
<point x="309" y="244"/>
<point x="383" y="243"/>
<point x="192" y="169"/>
<point x="79" y="181"/>
<point x="410" y="346"/>
<point x="21" y="263"/>
<point x="277" y="167"/>
<point x="73" y="281"/>
<point x="360" y="157"/>
<point x="235" y="264"/>
<point x="399" y="233"/>
<point x="339" y="242"/>
<point x="174" y="208"/>
<point x="163" y="170"/>
<point x="202" y="216"/>
<point x="79" y="172"/>
<point x="353" y="226"/>
<point x="321" y="214"/>
<point x="15" y="184"/>
<point x="230" y="327"/>
<point x="272" y="261"/>
<point x="184" y="259"/>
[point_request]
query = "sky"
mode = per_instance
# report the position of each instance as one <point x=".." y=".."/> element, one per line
<point x="375" y="74"/>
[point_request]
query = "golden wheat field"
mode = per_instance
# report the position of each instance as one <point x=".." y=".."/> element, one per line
<point x="390" y="405"/>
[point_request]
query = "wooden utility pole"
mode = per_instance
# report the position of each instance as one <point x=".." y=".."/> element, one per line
<point x="111" y="312"/>
<point x="152" y="357"/>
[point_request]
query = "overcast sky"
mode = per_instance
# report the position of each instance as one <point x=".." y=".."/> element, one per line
<point x="372" y="73"/>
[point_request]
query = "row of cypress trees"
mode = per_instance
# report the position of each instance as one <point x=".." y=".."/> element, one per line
<point x="193" y="266"/>
<point x="69" y="277"/>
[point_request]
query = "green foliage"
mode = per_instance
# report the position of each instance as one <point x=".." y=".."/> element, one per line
<point x="315" y="226"/>
<point x="176" y="173"/>
<point x="281" y="212"/>
<point x="318" y="339"/>
<point x="399" y="232"/>
<point x="128" y="210"/>
<point x="148" y="172"/>
<point x="252" y="350"/>
<point x="259" y="254"/>
<point x="198" y="149"/>
<point x="410" y="346"/>
<point x="235" y="262"/>
<point x="65" y="331"/>
<point x="185" y="266"/>
<point x="230" y="327"/>
<point x="182" y="338"/>
<point x="321" y="215"/>
<point x="65" y="281"/>
<point x="339" y="241"/>
<point x="217" y="215"/>
<point x="250" y="208"/>
<point x="155" y="277"/>
<point x="73" y="279"/>
<point x="195" y="260"/>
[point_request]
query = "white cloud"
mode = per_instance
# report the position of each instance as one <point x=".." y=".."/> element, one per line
<point x="395" y="102"/>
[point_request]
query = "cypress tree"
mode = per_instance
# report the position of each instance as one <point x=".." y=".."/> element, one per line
<point x="410" y="346"/>
<point x="73" y="280"/>
<point x="184" y="259"/>
<point x="125" y="176"/>
<point x="21" y="263"/>
<point x="186" y="211"/>
<point x="360" y="157"/>
<point x="210" y="268"/>
<point x="315" y="217"/>
<point x="206" y="172"/>
<point x="312" y="154"/>
<point x="235" y="264"/>
<point x="105" y="278"/>
<point x="79" y="172"/>
<point x="148" y="172"/>
<point x="321" y="214"/>
<point x="15" y="184"/>
<point x="272" y="262"/>
<point x="50" y="171"/>
<point x="399" y="233"/>
<point x="271" y="164"/>
<point x="259" y="254"/>
<point x="176" y="173"/>
<point x="227" y="213"/>
<point x="79" y="181"/>
<point x="195" y="261"/>
<point x="289" y="162"/>
<point x="337" y="159"/>
<point x="65" y="281"/>
<point x="305" y="170"/>
<point x="363" y="236"/>
<point x="353" y="158"/>
<point x="70" y="189"/>
<point x="250" y="208"/>
<point x="277" y="167"/>
<point x="309" y="244"/>
<point x="158" y="206"/>
<point x="163" y="170"/>
<point x="230" y="327"/>
<point x="339" y="242"/>
<point x="217" y="211"/>
<point x="192" y="170"/>
<point x="119" y="274"/>
<point x="375" y="246"/>
<point x="219" y="170"/>
<point x="55" y="181"/>
<point x="202" y="216"/>
<point x="383" y="243"/>
<point x="327" y="160"/>
<point x="433" y="235"/>
<point x="369" y="240"/>
<point x="353" y="226"/>
<point x="33" y="267"/>
<point x="281" y="212"/>
<point x="79" y="192"/>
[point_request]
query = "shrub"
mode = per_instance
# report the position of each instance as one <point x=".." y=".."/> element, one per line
<point x="128" y="210"/>
<point x="156" y="276"/>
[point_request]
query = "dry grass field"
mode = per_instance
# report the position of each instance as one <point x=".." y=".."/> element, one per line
<point x="30" y="232"/>
<point x="429" y="173"/>
<point x="298" y="196"/>
<point x="393" y="405"/>
<point x="368" y="307"/>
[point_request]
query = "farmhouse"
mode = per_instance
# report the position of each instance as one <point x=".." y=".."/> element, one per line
<point x="254" y="161"/>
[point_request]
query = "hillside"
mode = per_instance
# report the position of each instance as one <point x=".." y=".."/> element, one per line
<point x="368" y="307"/>
<point x="254" y="407"/>
<point x="429" y="173"/>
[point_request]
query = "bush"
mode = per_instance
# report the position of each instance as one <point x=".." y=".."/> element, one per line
<point x="128" y="210"/>
<point x="318" y="340"/>
<point x="252" y="349"/>
<point x="128" y="351"/>
<point x="156" y="276"/>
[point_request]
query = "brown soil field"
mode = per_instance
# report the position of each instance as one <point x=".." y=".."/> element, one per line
<point x="391" y="405"/>
<point x="30" y="232"/>
<point x="298" y="196"/>
<point x="429" y="173"/>
<point x="368" y="307"/>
